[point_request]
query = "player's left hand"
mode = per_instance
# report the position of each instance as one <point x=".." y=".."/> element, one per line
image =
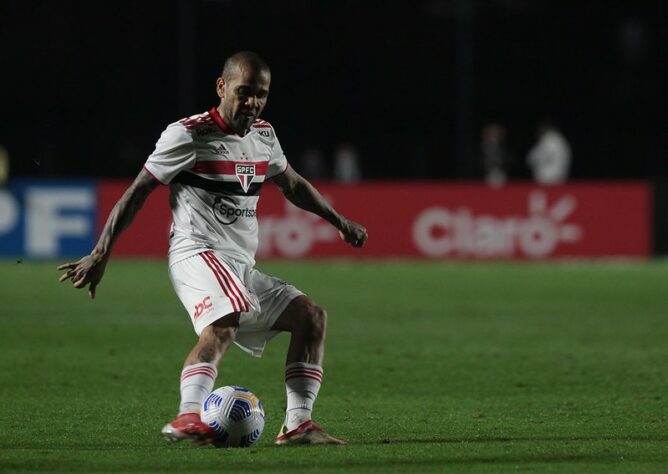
<point x="353" y="233"/>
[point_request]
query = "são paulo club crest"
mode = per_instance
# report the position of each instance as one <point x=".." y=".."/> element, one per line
<point x="245" y="174"/>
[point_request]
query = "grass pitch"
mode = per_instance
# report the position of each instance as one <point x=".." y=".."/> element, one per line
<point x="430" y="367"/>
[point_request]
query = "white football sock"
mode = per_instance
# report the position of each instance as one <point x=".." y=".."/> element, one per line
<point x="302" y="384"/>
<point x="196" y="384"/>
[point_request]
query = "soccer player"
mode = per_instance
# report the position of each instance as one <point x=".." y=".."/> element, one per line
<point x="215" y="164"/>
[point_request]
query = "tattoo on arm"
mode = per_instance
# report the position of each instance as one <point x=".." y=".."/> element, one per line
<point x="124" y="212"/>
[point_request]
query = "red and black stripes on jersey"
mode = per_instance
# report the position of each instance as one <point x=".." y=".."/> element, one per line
<point x="233" y="170"/>
<point x="214" y="186"/>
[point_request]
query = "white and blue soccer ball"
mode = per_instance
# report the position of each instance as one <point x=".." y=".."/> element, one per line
<point x="235" y="414"/>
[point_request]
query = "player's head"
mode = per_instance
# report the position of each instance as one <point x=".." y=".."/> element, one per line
<point x="243" y="88"/>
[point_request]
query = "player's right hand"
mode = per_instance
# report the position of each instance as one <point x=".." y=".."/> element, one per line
<point x="86" y="271"/>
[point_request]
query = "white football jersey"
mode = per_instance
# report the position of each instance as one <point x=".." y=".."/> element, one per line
<point x="215" y="178"/>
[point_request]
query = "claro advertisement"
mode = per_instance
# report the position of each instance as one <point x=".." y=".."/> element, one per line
<point x="433" y="220"/>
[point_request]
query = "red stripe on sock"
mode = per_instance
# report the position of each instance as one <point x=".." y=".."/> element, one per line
<point x="289" y="369"/>
<point x="212" y="371"/>
<point x="200" y="365"/>
<point x="304" y="371"/>
<point x="203" y="372"/>
<point x="310" y="374"/>
<point x="319" y="379"/>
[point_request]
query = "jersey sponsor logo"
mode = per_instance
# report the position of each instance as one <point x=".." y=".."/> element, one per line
<point x="245" y="174"/>
<point x="264" y="133"/>
<point x="226" y="211"/>
<point x="202" y="307"/>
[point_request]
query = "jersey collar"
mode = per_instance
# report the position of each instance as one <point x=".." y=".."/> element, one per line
<point x="220" y="122"/>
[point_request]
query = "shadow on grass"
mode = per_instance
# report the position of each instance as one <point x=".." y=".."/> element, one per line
<point x="324" y="465"/>
<point x="153" y="458"/>
<point x="511" y="439"/>
<point x="353" y="443"/>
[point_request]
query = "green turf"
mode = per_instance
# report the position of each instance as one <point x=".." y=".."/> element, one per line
<point x="430" y="367"/>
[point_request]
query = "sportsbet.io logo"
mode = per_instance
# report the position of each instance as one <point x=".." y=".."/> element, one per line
<point x="226" y="211"/>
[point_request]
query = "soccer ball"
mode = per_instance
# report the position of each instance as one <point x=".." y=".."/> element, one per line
<point x="235" y="414"/>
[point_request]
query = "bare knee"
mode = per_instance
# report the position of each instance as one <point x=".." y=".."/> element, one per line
<point x="224" y="336"/>
<point x="303" y="317"/>
<point x="222" y="331"/>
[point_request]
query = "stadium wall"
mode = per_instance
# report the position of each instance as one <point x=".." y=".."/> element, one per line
<point x="425" y="220"/>
<point x="660" y="220"/>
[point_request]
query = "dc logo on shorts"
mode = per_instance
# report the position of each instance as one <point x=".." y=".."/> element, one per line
<point x="203" y="306"/>
<point x="245" y="174"/>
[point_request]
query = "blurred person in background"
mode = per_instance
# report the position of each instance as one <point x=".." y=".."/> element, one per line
<point x="215" y="164"/>
<point x="346" y="165"/>
<point x="4" y="166"/>
<point x="312" y="164"/>
<point x="550" y="157"/>
<point x="495" y="157"/>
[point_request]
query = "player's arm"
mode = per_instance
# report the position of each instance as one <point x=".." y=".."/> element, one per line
<point x="302" y="194"/>
<point x="90" y="269"/>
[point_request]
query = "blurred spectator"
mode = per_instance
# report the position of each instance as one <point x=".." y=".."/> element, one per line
<point x="550" y="158"/>
<point x="4" y="166"/>
<point x="496" y="160"/>
<point x="346" y="165"/>
<point x="312" y="164"/>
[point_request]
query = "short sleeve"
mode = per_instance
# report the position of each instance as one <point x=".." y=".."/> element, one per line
<point x="278" y="163"/>
<point x="173" y="153"/>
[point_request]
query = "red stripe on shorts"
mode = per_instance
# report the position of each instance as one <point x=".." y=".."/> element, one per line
<point x="233" y="286"/>
<point x="206" y="257"/>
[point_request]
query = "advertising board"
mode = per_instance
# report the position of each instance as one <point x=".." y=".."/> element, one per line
<point x="435" y="221"/>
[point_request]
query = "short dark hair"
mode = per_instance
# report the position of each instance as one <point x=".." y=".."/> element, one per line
<point x="247" y="58"/>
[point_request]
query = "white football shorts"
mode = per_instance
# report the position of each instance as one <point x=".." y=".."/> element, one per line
<point x="211" y="287"/>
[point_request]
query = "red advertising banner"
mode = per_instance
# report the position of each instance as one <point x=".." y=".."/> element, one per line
<point x="435" y="221"/>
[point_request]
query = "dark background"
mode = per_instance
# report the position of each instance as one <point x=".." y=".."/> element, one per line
<point x="87" y="87"/>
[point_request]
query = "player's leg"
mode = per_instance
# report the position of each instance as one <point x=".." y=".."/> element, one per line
<point x="307" y="324"/>
<point x="198" y="378"/>
<point x="201" y="365"/>
<point x="214" y="297"/>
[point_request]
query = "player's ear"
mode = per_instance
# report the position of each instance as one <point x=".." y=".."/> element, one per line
<point x="220" y="87"/>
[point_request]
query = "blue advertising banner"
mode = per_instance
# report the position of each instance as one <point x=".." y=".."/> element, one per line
<point x="47" y="218"/>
